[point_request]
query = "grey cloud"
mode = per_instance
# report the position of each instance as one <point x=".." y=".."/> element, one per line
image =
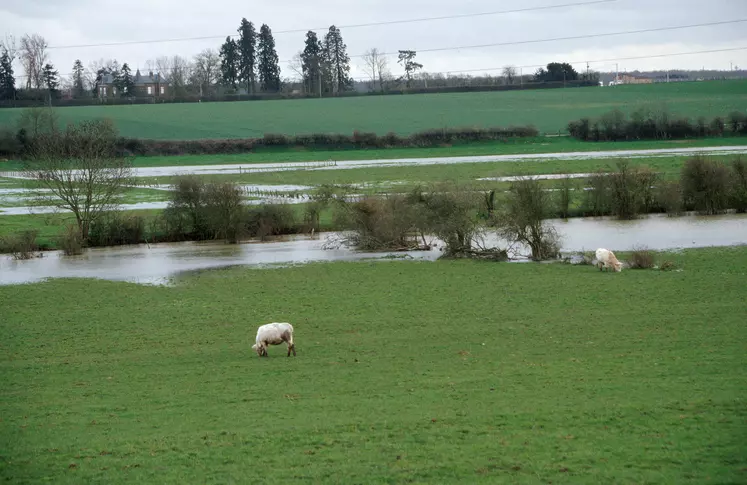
<point x="88" y="22"/>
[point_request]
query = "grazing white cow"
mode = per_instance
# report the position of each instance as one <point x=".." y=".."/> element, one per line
<point x="274" y="334"/>
<point x="607" y="259"/>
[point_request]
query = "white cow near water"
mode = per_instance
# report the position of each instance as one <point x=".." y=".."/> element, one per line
<point x="274" y="334"/>
<point x="607" y="259"/>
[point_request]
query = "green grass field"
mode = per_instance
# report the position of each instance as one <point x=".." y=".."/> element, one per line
<point x="549" y="110"/>
<point x="467" y="173"/>
<point x="446" y="372"/>
<point x="508" y="147"/>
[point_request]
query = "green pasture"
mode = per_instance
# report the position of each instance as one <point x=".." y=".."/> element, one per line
<point x="549" y="110"/>
<point x="445" y="372"/>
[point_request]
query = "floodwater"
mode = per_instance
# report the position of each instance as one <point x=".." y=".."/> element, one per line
<point x="350" y="164"/>
<point x="158" y="263"/>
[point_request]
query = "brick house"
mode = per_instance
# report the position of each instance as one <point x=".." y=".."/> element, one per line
<point x="149" y="85"/>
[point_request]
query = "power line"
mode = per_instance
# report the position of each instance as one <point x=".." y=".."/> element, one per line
<point x="574" y="37"/>
<point x="351" y="26"/>
<point x="529" y="66"/>
<point x="596" y="61"/>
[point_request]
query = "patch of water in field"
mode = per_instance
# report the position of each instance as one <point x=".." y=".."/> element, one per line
<point x="235" y="168"/>
<point x="158" y="263"/>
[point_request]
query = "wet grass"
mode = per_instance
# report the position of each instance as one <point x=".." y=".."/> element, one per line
<point x="549" y="110"/>
<point x="447" y="372"/>
<point x="465" y="172"/>
<point x="509" y="147"/>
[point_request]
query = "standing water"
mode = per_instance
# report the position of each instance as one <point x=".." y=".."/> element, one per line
<point x="157" y="263"/>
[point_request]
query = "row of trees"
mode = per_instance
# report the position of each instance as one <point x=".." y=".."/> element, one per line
<point x="41" y="74"/>
<point x="247" y="62"/>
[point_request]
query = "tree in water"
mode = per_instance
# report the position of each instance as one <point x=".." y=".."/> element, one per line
<point x="80" y="169"/>
<point x="269" y="70"/>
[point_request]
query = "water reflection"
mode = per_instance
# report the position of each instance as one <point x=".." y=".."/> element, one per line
<point x="157" y="263"/>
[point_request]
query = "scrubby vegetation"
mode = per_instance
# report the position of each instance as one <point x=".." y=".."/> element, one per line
<point x="655" y="124"/>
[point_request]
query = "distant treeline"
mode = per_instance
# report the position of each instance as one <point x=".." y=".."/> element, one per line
<point x="655" y="125"/>
<point x="20" y="143"/>
<point x="40" y="97"/>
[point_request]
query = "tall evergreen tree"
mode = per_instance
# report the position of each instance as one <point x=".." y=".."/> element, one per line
<point x="269" y="70"/>
<point x="247" y="47"/>
<point x="125" y="81"/>
<point x="7" y="80"/>
<point x="338" y="59"/>
<point x="311" y="62"/>
<point x="229" y="62"/>
<point x="51" y="78"/>
<point x="78" y="87"/>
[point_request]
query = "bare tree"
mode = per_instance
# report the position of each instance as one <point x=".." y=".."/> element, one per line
<point x="163" y="66"/>
<point x="33" y="54"/>
<point x="80" y="169"/>
<point x="509" y="72"/>
<point x="178" y="74"/>
<point x="95" y="68"/>
<point x="374" y="65"/>
<point x="206" y="69"/>
<point x="296" y="65"/>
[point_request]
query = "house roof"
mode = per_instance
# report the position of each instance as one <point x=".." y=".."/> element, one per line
<point x="140" y="80"/>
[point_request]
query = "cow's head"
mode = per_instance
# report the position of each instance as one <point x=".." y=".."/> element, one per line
<point x="260" y="349"/>
<point x="618" y="266"/>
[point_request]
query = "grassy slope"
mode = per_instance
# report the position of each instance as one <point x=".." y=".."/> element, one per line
<point x="514" y="146"/>
<point x="549" y="110"/>
<point x="463" y="172"/>
<point x="448" y="372"/>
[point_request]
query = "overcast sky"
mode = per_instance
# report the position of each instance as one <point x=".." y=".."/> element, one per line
<point x="77" y="22"/>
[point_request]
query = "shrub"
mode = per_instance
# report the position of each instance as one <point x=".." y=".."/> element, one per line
<point x="738" y="189"/>
<point x="667" y="265"/>
<point x="652" y="124"/>
<point x="451" y="212"/>
<point x="225" y="211"/>
<point x="71" y="241"/>
<point x="10" y="145"/>
<point x="641" y="258"/>
<point x="717" y="126"/>
<point x="580" y="129"/>
<point x="382" y="223"/>
<point x="115" y="228"/>
<point x="738" y="122"/>
<point x="270" y="220"/>
<point x="597" y="198"/>
<point x="185" y="216"/>
<point x="669" y="197"/>
<point x="20" y="245"/>
<point x="522" y="220"/>
<point x="705" y="185"/>
<point x="630" y="190"/>
<point x="564" y="196"/>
